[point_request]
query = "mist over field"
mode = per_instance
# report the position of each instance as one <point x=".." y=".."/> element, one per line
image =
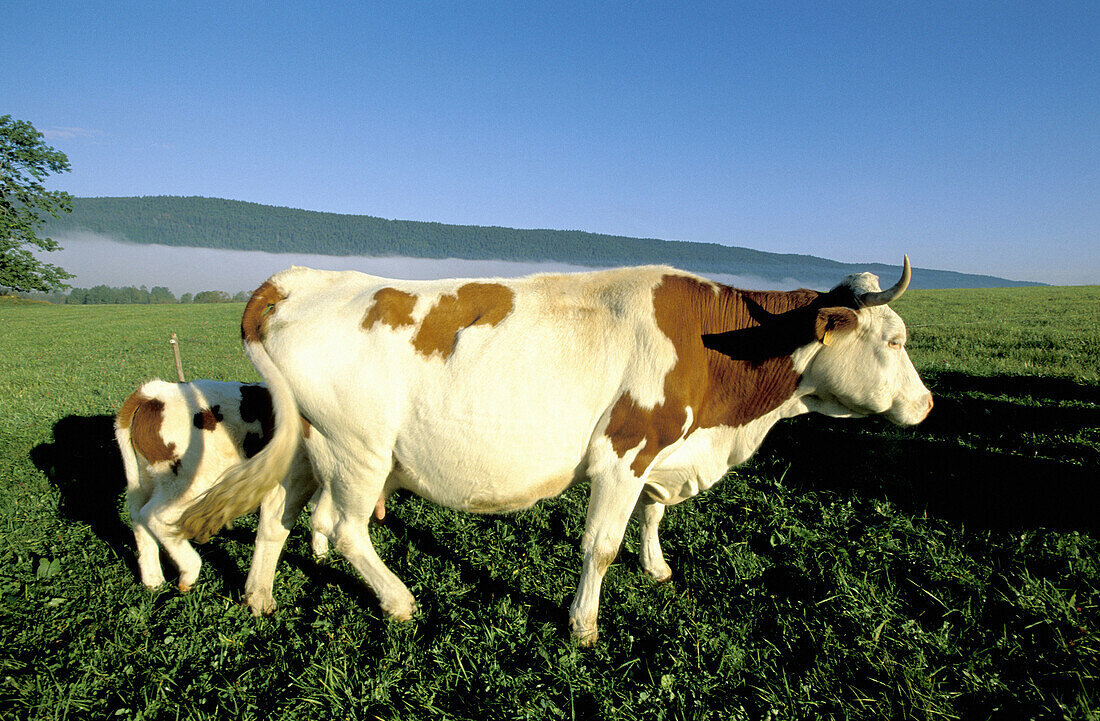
<point x="100" y="260"/>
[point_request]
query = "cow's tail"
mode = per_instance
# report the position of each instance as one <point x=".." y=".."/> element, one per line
<point x="241" y="488"/>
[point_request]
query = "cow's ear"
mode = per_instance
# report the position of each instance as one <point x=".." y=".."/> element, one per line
<point x="831" y="321"/>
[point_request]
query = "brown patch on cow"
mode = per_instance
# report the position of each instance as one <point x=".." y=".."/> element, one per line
<point x="472" y="304"/>
<point x="256" y="312"/>
<point x="207" y="419"/>
<point x="391" y="307"/>
<point x="658" y="427"/>
<point x="144" y="416"/>
<point x="742" y="389"/>
<point x="306" y="427"/>
<point x="751" y="376"/>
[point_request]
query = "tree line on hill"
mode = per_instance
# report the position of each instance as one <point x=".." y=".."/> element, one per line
<point x="130" y="295"/>
<point x="236" y="225"/>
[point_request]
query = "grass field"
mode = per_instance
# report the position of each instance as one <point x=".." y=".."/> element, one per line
<point x="850" y="570"/>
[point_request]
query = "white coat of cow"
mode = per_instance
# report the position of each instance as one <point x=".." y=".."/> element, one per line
<point x="488" y="396"/>
<point x="176" y="439"/>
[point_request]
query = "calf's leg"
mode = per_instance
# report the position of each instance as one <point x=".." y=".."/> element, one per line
<point x="148" y="552"/>
<point x="160" y="520"/>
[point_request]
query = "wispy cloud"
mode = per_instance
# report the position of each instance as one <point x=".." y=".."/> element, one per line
<point x="62" y="133"/>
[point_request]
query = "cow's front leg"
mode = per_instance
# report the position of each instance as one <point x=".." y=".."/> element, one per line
<point x="353" y="541"/>
<point x="614" y="493"/>
<point x="650" y="513"/>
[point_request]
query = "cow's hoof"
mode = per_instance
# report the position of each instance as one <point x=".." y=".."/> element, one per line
<point x="184" y="587"/>
<point x="660" y="575"/>
<point x="261" y="604"/>
<point x="584" y="636"/>
<point x="587" y="639"/>
<point x="319" y="544"/>
<point x="403" y="611"/>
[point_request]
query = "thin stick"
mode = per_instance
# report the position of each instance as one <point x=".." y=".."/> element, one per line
<point x="176" y="351"/>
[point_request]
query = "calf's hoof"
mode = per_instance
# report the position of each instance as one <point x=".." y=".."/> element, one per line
<point x="188" y="578"/>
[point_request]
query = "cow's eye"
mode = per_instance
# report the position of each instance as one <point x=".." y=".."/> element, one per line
<point x="896" y="344"/>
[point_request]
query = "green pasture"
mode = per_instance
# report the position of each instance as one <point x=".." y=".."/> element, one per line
<point x="852" y="569"/>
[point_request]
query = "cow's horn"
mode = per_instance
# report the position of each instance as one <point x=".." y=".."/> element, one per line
<point x="892" y="293"/>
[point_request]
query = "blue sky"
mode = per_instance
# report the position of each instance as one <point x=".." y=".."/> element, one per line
<point x="965" y="134"/>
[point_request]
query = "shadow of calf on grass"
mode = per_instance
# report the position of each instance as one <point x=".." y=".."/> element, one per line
<point x="84" y="464"/>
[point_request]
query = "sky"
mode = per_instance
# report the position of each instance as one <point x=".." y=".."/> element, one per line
<point x="966" y="134"/>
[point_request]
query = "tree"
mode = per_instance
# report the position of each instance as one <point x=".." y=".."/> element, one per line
<point x="25" y="161"/>
<point x="211" y="296"/>
<point x="160" y="294"/>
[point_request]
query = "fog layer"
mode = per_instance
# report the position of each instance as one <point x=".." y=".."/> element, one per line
<point x="100" y="260"/>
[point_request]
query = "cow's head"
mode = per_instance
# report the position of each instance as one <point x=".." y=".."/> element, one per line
<point x="861" y="367"/>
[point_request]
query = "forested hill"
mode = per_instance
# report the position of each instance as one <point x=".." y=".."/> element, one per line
<point x="237" y="225"/>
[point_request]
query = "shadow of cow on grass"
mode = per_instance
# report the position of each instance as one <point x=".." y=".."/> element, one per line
<point x="1019" y="458"/>
<point x="957" y="465"/>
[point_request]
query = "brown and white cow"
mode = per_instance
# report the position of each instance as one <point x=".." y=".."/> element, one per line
<point x="175" y="440"/>
<point x="488" y="396"/>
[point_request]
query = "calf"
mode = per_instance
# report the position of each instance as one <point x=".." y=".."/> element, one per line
<point x="175" y="440"/>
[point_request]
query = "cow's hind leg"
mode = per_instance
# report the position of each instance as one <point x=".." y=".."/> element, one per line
<point x="650" y="513"/>
<point x="352" y="485"/>
<point x="279" y="512"/>
<point x="353" y="541"/>
<point x="319" y="540"/>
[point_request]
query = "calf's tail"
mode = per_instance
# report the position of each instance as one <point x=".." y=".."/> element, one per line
<point x="241" y="488"/>
<point x="123" y="421"/>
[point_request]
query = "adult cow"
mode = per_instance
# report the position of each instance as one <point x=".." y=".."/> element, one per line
<point x="488" y="396"/>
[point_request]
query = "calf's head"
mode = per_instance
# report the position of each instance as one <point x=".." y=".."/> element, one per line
<point x="862" y="367"/>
